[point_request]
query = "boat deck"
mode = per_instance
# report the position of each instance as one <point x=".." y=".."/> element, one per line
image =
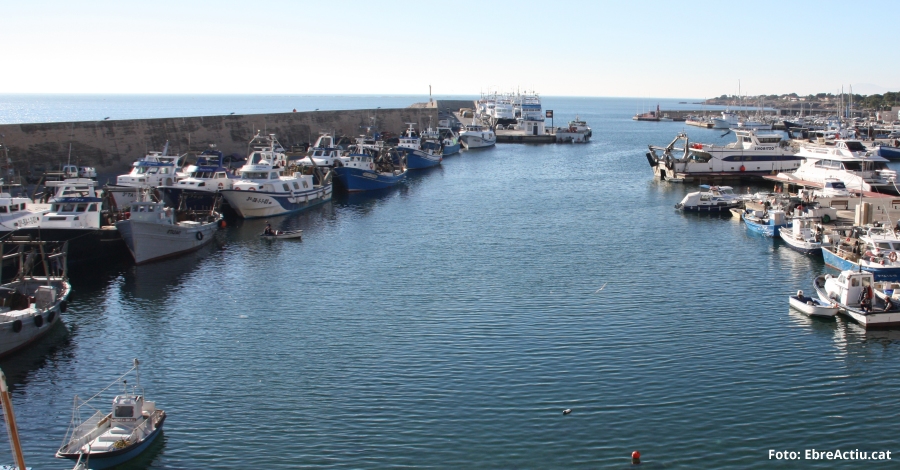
<point x="813" y="184"/>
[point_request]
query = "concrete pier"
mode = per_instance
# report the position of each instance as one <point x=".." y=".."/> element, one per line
<point x="112" y="146"/>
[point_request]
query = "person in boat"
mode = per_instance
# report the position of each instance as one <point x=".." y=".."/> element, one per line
<point x="268" y="231"/>
<point x="865" y="302"/>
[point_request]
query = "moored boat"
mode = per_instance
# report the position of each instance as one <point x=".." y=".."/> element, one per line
<point x="474" y="136"/>
<point x="369" y="166"/>
<point x="107" y="439"/>
<point x="155" y="169"/>
<point x="875" y="250"/>
<point x="765" y="222"/>
<point x="812" y="306"/>
<point x="154" y="231"/>
<point x="30" y="304"/>
<point x="714" y="199"/>
<point x="205" y="178"/>
<point x="805" y="235"/>
<point x="417" y="155"/>
<point x="857" y="295"/>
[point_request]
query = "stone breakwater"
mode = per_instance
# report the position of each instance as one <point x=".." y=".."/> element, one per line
<point x="112" y="146"/>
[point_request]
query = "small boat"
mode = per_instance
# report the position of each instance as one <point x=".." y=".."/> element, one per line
<point x="805" y="235"/>
<point x="767" y="223"/>
<point x="153" y="231"/>
<point x="475" y="136"/>
<point x="443" y="138"/>
<point x="813" y="307"/>
<point x="369" y="166"/>
<point x="714" y="199"/>
<point x="31" y="303"/>
<point x="860" y="297"/>
<point x="283" y="234"/>
<point x="108" y="439"/>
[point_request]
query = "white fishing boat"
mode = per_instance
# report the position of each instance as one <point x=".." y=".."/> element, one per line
<point x="474" y="136"/>
<point x="30" y="304"/>
<point x="848" y="161"/>
<point x="752" y="154"/>
<point x="857" y="295"/>
<point x="264" y="190"/>
<point x="204" y="179"/>
<point x="107" y="439"/>
<point x="154" y="170"/>
<point x="728" y="120"/>
<point x="813" y="307"/>
<point x="713" y="199"/>
<point x="153" y="231"/>
<point x="805" y="235"/>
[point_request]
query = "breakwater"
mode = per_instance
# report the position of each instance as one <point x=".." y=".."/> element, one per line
<point x="111" y="146"/>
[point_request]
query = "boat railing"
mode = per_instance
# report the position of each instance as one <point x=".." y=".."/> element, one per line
<point x="84" y="433"/>
<point x="144" y="429"/>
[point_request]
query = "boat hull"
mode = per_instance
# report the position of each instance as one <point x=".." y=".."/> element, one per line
<point x="417" y="159"/>
<point x="356" y="180"/>
<point x="101" y="460"/>
<point x="29" y="332"/>
<point x="451" y="149"/>
<point x="880" y="273"/>
<point x="256" y="204"/>
<point x="726" y="208"/>
<point x="149" y="241"/>
<point x="869" y="320"/>
<point x="802" y="246"/>
<point x="768" y="230"/>
<point x="889" y="153"/>
<point x="476" y="142"/>
<point x="87" y="244"/>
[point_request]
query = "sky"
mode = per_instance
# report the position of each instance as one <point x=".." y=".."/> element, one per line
<point x="696" y="49"/>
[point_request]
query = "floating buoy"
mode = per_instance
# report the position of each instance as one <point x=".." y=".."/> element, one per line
<point x="222" y="223"/>
<point x="635" y="458"/>
<point x="567" y="411"/>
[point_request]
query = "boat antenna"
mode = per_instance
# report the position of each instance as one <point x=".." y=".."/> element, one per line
<point x="10" y="419"/>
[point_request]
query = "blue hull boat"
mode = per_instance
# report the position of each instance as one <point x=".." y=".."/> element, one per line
<point x="890" y="153"/>
<point x="451" y="149"/>
<point x="881" y="273"/>
<point x="355" y="179"/>
<point x="417" y="159"/>
<point x="765" y="226"/>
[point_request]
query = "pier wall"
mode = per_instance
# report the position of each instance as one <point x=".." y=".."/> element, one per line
<point x="112" y="146"/>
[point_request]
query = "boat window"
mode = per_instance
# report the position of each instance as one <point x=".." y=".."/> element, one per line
<point x="855" y="146"/>
<point x="852" y="166"/>
<point x="164" y="171"/>
<point x="305" y="184"/>
<point x="854" y="282"/>
<point x="884" y="245"/>
<point x="255" y="158"/>
<point x="81" y="208"/>
<point x="151" y="208"/>
<point x="273" y="176"/>
<point x="201" y="184"/>
<point x="220" y="174"/>
<point x="296" y="186"/>
<point x="124" y="412"/>
<point x="68" y="208"/>
<point x="866" y="281"/>
<point x="747" y="139"/>
<point x="92" y="208"/>
<point x="285" y="186"/>
<point x="3" y="209"/>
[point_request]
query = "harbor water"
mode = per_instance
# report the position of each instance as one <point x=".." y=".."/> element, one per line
<point x="448" y="322"/>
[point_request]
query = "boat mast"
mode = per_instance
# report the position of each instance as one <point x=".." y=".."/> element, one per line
<point x="10" y="419"/>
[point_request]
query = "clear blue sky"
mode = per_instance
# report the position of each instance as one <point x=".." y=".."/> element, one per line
<point x="575" y="48"/>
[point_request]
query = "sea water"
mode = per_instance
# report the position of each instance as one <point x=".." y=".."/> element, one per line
<point x="449" y="321"/>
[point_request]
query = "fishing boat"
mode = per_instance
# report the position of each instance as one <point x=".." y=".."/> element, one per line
<point x="812" y="306"/>
<point x="107" y="439"/>
<point x="18" y="212"/>
<point x="417" y="156"/>
<point x="369" y="166"/>
<point x="805" y="235"/>
<point x="581" y="126"/>
<point x="474" y="136"/>
<point x="205" y="178"/>
<point x="443" y="138"/>
<point x="765" y="222"/>
<point x="857" y="295"/>
<point x="30" y="304"/>
<point x="752" y="154"/>
<point x="269" y="187"/>
<point x="155" y="169"/>
<point x="153" y="231"/>
<point x="713" y="199"/>
<point x="874" y="249"/>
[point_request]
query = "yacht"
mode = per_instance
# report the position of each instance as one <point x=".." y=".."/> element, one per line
<point x="752" y="153"/>
<point x="475" y="136"/>
<point x="848" y="161"/>
<point x="263" y="190"/>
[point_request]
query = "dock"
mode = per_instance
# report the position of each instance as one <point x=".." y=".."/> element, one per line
<point x="505" y="136"/>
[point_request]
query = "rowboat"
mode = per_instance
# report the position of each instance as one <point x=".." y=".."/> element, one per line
<point x="279" y="234"/>
<point x="812" y="306"/>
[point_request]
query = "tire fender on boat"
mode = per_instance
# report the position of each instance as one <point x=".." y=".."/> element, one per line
<point x="17" y="326"/>
<point x="51" y="316"/>
<point x="199" y="236"/>
<point x="38" y="321"/>
<point x="63" y="306"/>
<point x="251" y="189"/>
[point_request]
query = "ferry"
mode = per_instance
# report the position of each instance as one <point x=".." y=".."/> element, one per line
<point x="752" y="154"/>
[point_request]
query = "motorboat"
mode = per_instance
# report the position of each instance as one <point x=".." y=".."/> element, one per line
<point x="713" y="199"/>
<point x="766" y="222"/>
<point x="417" y="156"/>
<point x="475" y="136"/>
<point x="728" y="120"/>
<point x="805" y="235"/>
<point x="107" y="439"/>
<point x="832" y="187"/>
<point x="443" y="138"/>
<point x="581" y="126"/>
<point x="753" y="154"/>
<point x="848" y="161"/>
<point x="154" y="170"/>
<point x="874" y="249"/>
<point x="31" y="302"/>
<point x="860" y="297"/>
<point x="205" y="178"/>
<point x="264" y="191"/>
<point x="153" y="231"/>
<point x="812" y="306"/>
<point x="369" y="165"/>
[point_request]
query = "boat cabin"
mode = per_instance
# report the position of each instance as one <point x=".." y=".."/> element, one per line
<point x="154" y="212"/>
<point x="749" y="139"/>
<point x="73" y="212"/>
<point x="127" y="408"/>
<point x="849" y="286"/>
